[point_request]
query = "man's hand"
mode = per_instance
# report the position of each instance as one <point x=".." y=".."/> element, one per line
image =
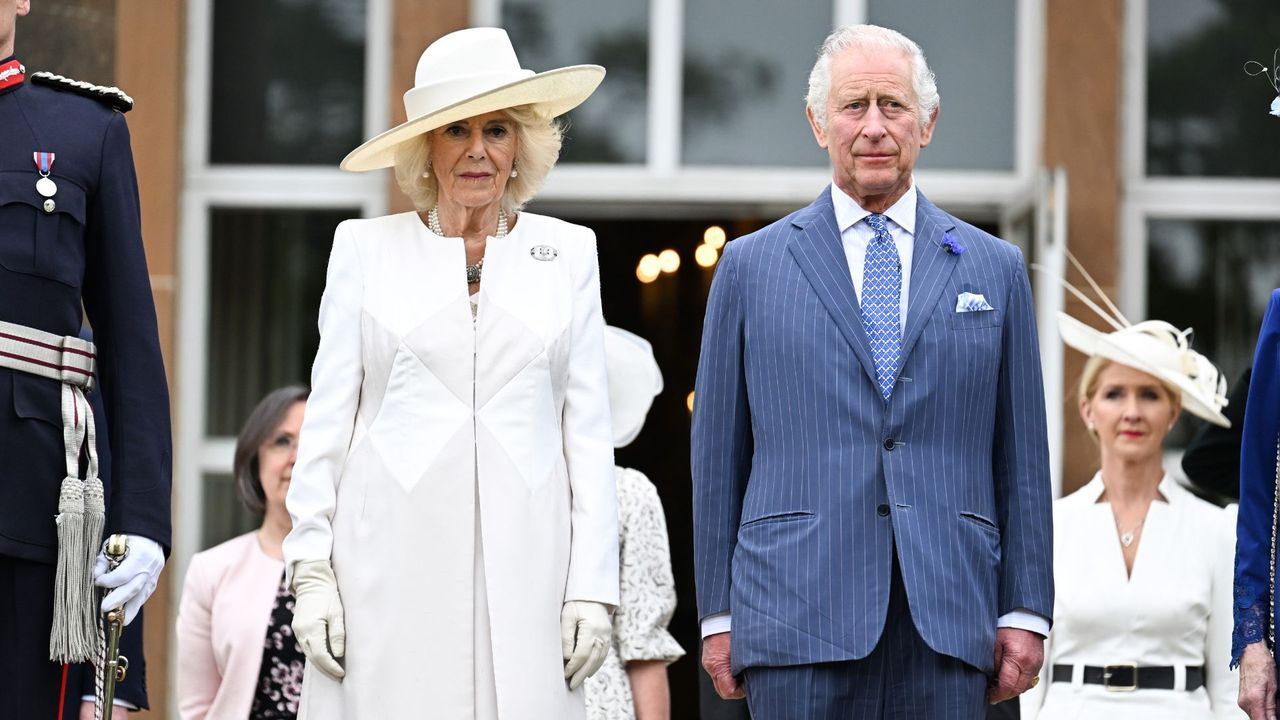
<point x="133" y="581"/>
<point x="1257" y="682"/>
<point x="1019" y="655"/>
<point x="715" y="660"/>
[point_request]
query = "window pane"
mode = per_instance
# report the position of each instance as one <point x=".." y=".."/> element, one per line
<point x="287" y="81"/>
<point x="1205" y="116"/>
<point x="266" y="275"/>
<point x="745" y="82"/>
<point x="75" y="38"/>
<point x="610" y="127"/>
<point x="971" y="48"/>
<point x="1215" y="277"/>
<point x="224" y="516"/>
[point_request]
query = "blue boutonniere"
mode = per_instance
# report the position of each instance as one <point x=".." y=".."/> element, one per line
<point x="952" y="245"/>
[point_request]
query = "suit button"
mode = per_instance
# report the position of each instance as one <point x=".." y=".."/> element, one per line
<point x="883" y="510"/>
<point x="889" y="443"/>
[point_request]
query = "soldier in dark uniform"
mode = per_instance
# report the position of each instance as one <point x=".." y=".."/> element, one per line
<point x="70" y="239"/>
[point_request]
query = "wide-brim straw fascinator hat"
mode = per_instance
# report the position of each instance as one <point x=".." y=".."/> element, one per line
<point x="471" y="72"/>
<point x="1154" y="347"/>
<point x="634" y="381"/>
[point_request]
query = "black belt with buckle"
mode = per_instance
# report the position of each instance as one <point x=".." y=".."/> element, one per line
<point x="1128" y="677"/>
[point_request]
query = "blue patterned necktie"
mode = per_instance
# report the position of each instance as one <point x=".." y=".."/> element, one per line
<point x="881" y="293"/>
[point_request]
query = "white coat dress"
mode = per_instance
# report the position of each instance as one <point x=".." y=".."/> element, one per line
<point x="1175" y="610"/>
<point x="457" y="471"/>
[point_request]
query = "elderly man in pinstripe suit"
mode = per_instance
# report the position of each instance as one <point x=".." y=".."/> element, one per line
<point x="871" y="488"/>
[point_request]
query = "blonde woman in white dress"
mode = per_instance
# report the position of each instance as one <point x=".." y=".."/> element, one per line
<point x="454" y="548"/>
<point x="632" y="683"/>
<point x="1142" y="568"/>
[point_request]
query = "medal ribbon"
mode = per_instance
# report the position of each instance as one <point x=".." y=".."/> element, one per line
<point x="44" y="161"/>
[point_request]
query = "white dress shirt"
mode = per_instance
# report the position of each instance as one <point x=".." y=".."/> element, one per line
<point x="856" y="234"/>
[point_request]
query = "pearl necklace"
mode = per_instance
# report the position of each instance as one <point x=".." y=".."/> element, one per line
<point x="473" y="271"/>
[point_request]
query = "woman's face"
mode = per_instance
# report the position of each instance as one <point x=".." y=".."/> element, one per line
<point x="276" y="457"/>
<point x="1130" y="411"/>
<point x="472" y="159"/>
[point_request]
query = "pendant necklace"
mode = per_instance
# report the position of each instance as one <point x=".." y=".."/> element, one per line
<point x="473" y="271"/>
<point x="1127" y="536"/>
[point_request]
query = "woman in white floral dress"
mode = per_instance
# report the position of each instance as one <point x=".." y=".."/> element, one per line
<point x="632" y="683"/>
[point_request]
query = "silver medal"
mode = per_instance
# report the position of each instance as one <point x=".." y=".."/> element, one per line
<point x="46" y="187"/>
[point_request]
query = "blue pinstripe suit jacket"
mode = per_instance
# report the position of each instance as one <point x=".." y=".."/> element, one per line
<point x="795" y="452"/>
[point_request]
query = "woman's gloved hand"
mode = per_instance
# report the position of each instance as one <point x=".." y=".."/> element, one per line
<point x="317" y="616"/>
<point x="585" y="629"/>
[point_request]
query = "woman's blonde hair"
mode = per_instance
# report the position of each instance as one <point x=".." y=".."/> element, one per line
<point x="1093" y="369"/>
<point x="538" y="140"/>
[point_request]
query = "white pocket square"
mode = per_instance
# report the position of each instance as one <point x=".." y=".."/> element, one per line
<point x="972" y="302"/>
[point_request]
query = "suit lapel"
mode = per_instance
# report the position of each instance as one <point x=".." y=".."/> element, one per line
<point x="931" y="268"/>
<point x="819" y="252"/>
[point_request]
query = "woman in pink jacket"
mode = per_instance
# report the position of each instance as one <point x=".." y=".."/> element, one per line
<point x="237" y="657"/>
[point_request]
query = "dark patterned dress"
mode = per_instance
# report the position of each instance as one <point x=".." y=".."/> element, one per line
<point x="280" y="679"/>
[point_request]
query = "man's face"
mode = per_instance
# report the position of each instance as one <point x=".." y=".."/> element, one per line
<point x="873" y="132"/>
<point x="10" y="11"/>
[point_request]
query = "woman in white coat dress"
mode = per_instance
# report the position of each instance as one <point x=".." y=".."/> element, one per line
<point x="454" y="548"/>
<point x="1142" y="568"/>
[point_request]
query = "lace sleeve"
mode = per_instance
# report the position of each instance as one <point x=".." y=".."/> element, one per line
<point x="1250" y="616"/>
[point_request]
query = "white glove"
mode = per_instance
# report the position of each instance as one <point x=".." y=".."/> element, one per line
<point x="585" y="628"/>
<point x="133" y="581"/>
<point x="317" y="616"/>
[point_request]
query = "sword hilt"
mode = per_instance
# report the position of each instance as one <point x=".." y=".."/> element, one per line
<point x="116" y="548"/>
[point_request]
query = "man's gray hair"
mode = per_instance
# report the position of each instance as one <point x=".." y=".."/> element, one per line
<point x="867" y="37"/>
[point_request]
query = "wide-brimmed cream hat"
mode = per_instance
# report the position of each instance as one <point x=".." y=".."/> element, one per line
<point x="634" y="381"/>
<point x="1161" y="350"/>
<point x="471" y="72"/>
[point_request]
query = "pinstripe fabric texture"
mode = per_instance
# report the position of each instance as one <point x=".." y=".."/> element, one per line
<point x="902" y="679"/>
<point x="805" y="477"/>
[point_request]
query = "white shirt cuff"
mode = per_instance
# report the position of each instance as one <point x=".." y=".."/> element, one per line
<point x="117" y="702"/>
<point x="1022" y="619"/>
<point x="715" y="624"/>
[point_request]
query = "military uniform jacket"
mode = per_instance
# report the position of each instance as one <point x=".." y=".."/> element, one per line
<point x="83" y="252"/>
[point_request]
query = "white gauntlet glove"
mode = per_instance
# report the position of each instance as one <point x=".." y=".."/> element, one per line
<point x="585" y="629"/>
<point x="317" y="616"/>
<point x="133" y="581"/>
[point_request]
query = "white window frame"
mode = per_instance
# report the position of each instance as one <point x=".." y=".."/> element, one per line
<point x="1177" y="198"/>
<point x="664" y="179"/>
<point x="207" y="186"/>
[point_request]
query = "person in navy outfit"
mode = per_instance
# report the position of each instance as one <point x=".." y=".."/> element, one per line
<point x="70" y="251"/>
<point x="1253" y="645"/>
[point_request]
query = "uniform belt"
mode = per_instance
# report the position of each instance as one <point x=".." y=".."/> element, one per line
<point x="1128" y="677"/>
<point x="75" y="635"/>
<point x="69" y="360"/>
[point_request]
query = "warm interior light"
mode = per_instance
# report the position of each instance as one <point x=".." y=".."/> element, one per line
<point x="705" y="255"/>
<point x="648" y="269"/>
<point x="714" y="236"/>
<point x="689" y="401"/>
<point x="669" y="261"/>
